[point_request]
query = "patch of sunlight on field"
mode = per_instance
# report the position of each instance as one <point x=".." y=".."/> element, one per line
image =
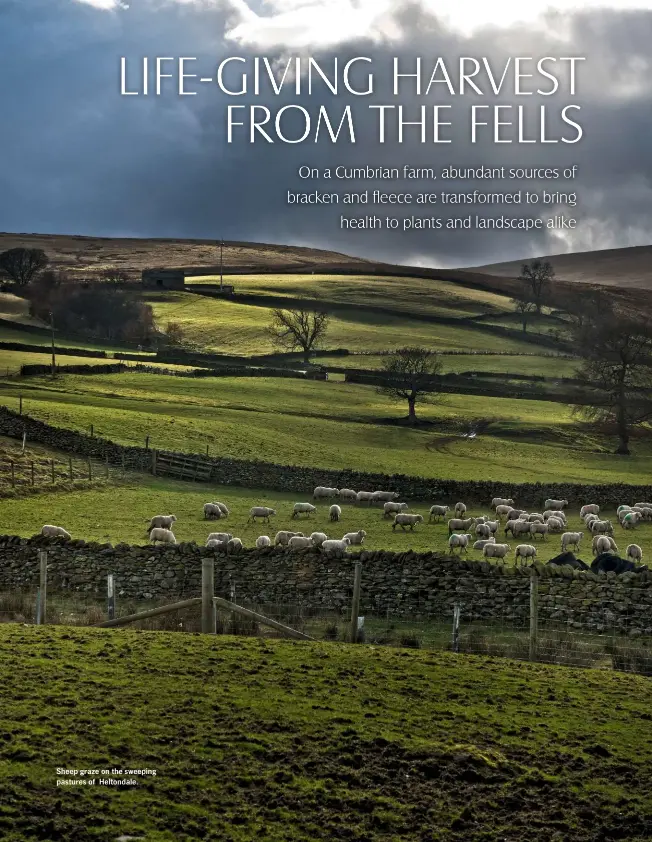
<point x="452" y="363"/>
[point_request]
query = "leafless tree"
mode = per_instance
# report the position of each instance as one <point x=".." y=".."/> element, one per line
<point x="617" y="362"/>
<point x="536" y="277"/>
<point x="525" y="307"/>
<point x="21" y="264"/>
<point x="302" y="329"/>
<point x="411" y="374"/>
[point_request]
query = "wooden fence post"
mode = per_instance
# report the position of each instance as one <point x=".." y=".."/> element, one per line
<point x="534" y="615"/>
<point x="110" y="596"/>
<point x="207" y="594"/>
<point x="457" y="611"/>
<point x="41" y="606"/>
<point x="146" y="442"/>
<point x="355" y="604"/>
<point x="24" y="441"/>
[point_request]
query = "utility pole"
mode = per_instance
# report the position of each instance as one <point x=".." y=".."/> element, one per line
<point x="221" y="265"/>
<point x="54" y="359"/>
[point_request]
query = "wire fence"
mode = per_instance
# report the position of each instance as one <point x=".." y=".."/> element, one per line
<point x="538" y="624"/>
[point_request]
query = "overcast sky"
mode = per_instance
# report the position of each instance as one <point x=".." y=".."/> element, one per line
<point x="77" y="157"/>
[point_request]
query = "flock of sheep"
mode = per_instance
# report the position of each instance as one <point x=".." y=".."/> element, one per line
<point x="517" y="522"/>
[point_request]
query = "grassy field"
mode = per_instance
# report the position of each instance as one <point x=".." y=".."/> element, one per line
<point x="219" y="325"/>
<point x="118" y="513"/>
<point x="270" y="740"/>
<point x="11" y="361"/>
<point x="331" y="425"/>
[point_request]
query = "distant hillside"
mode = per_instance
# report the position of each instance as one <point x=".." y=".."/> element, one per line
<point x="625" y="267"/>
<point x="93" y="254"/>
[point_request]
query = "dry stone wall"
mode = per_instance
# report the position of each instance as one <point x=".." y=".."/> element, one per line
<point x="402" y="584"/>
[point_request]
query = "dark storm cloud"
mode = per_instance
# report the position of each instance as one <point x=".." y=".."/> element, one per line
<point x="76" y="157"/>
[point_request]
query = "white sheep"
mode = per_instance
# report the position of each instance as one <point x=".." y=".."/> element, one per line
<point x="260" y="511"/>
<point x="299" y="543"/>
<point x="321" y="492"/>
<point x="303" y="508"/>
<point x="356" y="538"/>
<point x="554" y="513"/>
<point x="643" y="506"/>
<point x="493" y="525"/>
<point x="222" y="537"/>
<point x="518" y="527"/>
<point x="601" y="544"/>
<point x="536" y="518"/>
<point x="634" y="553"/>
<point x="569" y="539"/>
<point x="384" y="496"/>
<point x="537" y="528"/>
<point x="348" y="495"/>
<point x="502" y="501"/>
<point x="364" y="497"/>
<point x="165" y="536"/>
<point x="392" y="508"/>
<point x="482" y="530"/>
<point x="495" y="550"/>
<point x="334" y="513"/>
<point x="263" y="541"/>
<point x="590" y="509"/>
<point x="335" y="549"/>
<point x="318" y="538"/>
<point x="234" y="545"/>
<point x="601" y="527"/>
<point x="460" y="510"/>
<point x="459" y="542"/>
<point x="49" y="531"/>
<point x="555" y="525"/>
<point x="502" y="511"/>
<point x="223" y="508"/>
<point x="402" y="519"/>
<point x="164" y="521"/>
<point x="212" y="511"/>
<point x="630" y="520"/>
<point x="284" y="536"/>
<point x="480" y="545"/>
<point x="555" y="504"/>
<point x="437" y="512"/>
<point x="525" y="551"/>
<point x="590" y="518"/>
<point x="214" y="544"/>
<point x="647" y="513"/>
<point x="460" y="525"/>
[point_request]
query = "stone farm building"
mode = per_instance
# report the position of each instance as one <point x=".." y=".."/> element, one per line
<point x="175" y="279"/>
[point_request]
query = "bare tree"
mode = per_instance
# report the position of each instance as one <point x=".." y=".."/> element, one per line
<point x="536" y="277"/>
<point x="302" y="329"/>
<point x="617" y="362"/>
<point x="411" y="374"/>
<point x="525" y="307"/>
<point x="584" y="304"/>
<point x="22" y="264"/>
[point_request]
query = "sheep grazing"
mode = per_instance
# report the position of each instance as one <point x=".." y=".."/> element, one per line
<point x="212" y="511"/>
<point x="49" y="531"/>
<point x="502" y="501"/>
<point x="555" y="504"/>
<point x="571" y="539"/>
<point x="347" y="495"/>
<point x="493" y="525"/>
<point x="525" y="551"/>
<point x="634" y="553"/>
<point x="537" y="528"/>
<point x="164" y="521"/>
<point x="303" y="509"/>
<point x="459" y="542"/>
<point x="555" y="524"/>
<point x="364" y="497"/>
<point x="518" y="527"/>
<point x="591" y="509"/>
<point x="437" y="512"/>
<point x="322" y="493"/>
<point x="502" y="511"/>
<point x="630" y="520"/>
<point x="164" y="536"/>
<point x="515" y="514"/>
<point x="335" y="549"/>
<point x="214" y="544"/>
<point x="263" y="541"/>
<point x="601" y="527"/>
<point x="536" y="518"/>
<point x="554" y="513"/>
<point x="334" y="513"/>
<point x="460" y="510"/>
<point x="299" y="543"/>
<point x="263" y="512"/>
<point x="392" y="508"/>
<point x="402" y="519"/>
<point x="223" y="508"/>
<point x="643" y="506"/>
<point x="482" y="530"/>
<point x="221" y="537"/>
<point x="480" y="545"/>
<point x="318" y="538"/>
<point x="384" y="496"/>
<point x="282" y="538"/>
<point x="601" y="544"/>
<point x="356" y="538"/>
<point x="457" y="524"/>
<point x="234" y="545"/>
<point x="590" y="518"/>
<point x="495" y="550"/>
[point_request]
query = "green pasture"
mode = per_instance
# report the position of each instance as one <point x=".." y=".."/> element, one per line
<point x="119" y="512"/>
<point x="453" y="363"/>
<point x="269" y="740"/>
<point x="332" y="425"/>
